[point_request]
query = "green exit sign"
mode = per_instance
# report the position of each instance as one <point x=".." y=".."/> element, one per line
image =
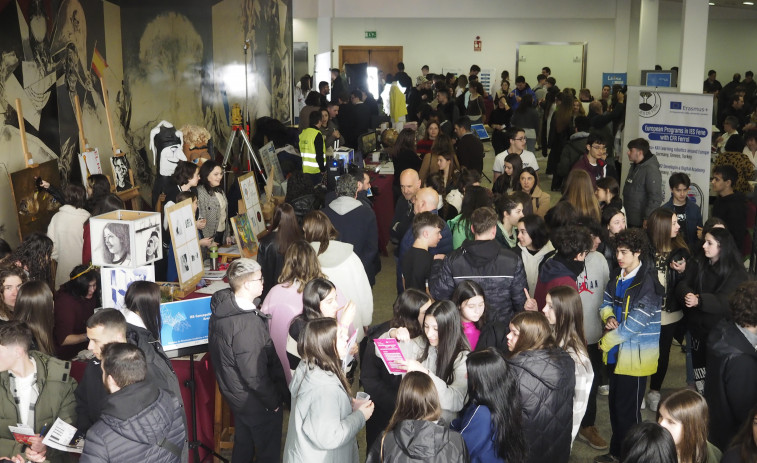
<point x="370" y="34"/>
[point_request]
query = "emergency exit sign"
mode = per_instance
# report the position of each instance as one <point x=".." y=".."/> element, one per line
<point x="370" y="34"/>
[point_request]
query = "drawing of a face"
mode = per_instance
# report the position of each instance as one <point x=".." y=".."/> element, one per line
<point x="112" y="242"/>
<point x="122" y="170"/>
<point x="152" y="247"/>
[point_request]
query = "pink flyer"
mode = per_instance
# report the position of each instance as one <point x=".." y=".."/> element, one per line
<point x="390" y="353"/>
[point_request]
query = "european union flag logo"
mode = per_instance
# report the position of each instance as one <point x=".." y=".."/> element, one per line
<point x="675" y="105"/>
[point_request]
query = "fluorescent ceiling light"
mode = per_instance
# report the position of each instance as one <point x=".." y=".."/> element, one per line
<point x="748" y="3"/>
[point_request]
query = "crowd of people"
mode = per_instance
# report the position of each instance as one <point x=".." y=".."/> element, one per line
<point x="512" y="312"/>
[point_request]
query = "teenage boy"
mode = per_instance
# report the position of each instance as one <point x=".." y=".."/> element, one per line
<point x="631" y="314"/>
<point x="509" y="211"/>
<point x="417" y="261"/>
<point x="730" y="206"/>
<point x="688" y="213"/>
<point x="517" y="138"/>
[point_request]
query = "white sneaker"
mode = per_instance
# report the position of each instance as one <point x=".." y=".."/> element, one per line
<point x="604" y="390"/>
<point x="653" y="399"/>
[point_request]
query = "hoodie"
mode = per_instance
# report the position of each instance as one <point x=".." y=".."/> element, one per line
<point x="556" y="271"/>
<point x="139" y="422"/>
<point x="642" y="192"/>
<point x="343" y="268"/>
<point x="356" y="224"/>
<point x="419" y="440"/>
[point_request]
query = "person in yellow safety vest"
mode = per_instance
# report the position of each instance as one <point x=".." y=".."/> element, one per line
<point x="313" y="149"/>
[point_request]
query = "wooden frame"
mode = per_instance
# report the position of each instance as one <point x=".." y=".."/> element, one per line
<point x="343" y="48"/>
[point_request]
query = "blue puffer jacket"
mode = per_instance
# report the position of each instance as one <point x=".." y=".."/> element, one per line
<point x="479" y="434"/>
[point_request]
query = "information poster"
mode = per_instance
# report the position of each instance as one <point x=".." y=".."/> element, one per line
<point x="185" y="323"/>
<point x="679" y="129"/>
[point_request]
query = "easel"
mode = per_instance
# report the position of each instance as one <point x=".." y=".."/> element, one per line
<point x="28" y="161"/>
<point x="132" y="194"/>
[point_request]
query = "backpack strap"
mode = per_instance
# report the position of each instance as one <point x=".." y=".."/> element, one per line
<point x="170" y="446"/>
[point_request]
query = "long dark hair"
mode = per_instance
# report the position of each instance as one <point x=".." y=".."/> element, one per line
<point x="317" y="348"/>
<point x="81" y="277"/>
<point x="729" y="259"/>
<point x="406" y="309"/>
<point x="405" y="142"/>
<point x="466" y="290"/>
<point x="417" y="399"/>
<point x="648" y="442"/>
<point x="12" y="271"/>
<point x="745" y="439"/>
<point x="569" y="319"/>
<point x="530" y="171"/>
<point x="690" y="409"/>
<point x="659" y="229"/>
<point x="287" y="229"/>
<point x="143" y="298"/>
<point x="534" y="330"/>
<point x="452" y="340"/>
<point x="491" y="383"/>
<point x="315" y="291"/>
<point x="34" y="255"/>
<point x="34" y="306"/>
<point x="474" y="198"/>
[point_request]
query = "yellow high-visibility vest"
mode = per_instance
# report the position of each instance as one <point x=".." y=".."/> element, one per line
<point x="307" y="150"/>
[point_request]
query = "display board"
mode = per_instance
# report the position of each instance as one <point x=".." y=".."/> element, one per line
<point x="271" y="163"/>
<point x="185" y="242"/>
<point x="185" y="326"/>
<point x="249" y="187"/>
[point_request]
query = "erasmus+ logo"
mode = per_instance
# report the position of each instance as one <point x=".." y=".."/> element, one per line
<point x="676" y="105"/>
<point x="687" y="109"/>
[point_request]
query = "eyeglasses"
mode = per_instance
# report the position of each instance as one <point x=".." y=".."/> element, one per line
<point x="599" y="147"/>
<point x="520" y="139"/>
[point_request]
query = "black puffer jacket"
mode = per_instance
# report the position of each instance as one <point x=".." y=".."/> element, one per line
<point x="418" y="440"/>
<point x="546" y="380"/>
<point x="499" y="271"/>
<point x="249" y="373"/>
<point x="305" y="204"/>
<point x="139" y="423"/>
<point x="730" y="382"/>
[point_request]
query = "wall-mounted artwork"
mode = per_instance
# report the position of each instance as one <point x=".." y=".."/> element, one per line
<point x="125" y="238"/>
<point x="185" y="243"/>
<point x="122" y="174"/>
<point x="251" y="199"/>
<point x="245" y="236"/>
<point x="34" y="207"/>
<point x="116" y="280"/>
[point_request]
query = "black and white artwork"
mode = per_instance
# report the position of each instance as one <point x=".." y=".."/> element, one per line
<point x="121" y="173"/>
<point x="115" y="282"/>
<point x="148" y="243"/>
<point x="111" y="243"/>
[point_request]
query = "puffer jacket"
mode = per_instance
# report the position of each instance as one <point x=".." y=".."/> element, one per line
<point x="322" y="425"/>
<point x="546" y="380"/>
<point x="642" y="192"/>
<point x="139" y="423"/>
<point x="249" y="373"/>
<point x="56" y="400"/>
<point x="638" y="332"/>
<point x="731" y="383"/>
<point x="419" y="440"/>
<point x="305" y="204"/>
<point x="499" y="272"/>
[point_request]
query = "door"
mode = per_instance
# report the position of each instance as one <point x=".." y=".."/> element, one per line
<point x="384" y="58"/>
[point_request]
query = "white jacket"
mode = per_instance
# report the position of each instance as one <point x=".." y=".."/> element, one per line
<point x="66" y="229"/>
<point x="531" y="263"/>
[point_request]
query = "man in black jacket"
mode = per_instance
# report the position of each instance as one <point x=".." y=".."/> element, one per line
<point x="470" y="150"/>
<point x="248" y="371"/>
<point x="108" y="326"/>
<point x="499" y="271"/>
<point x="732" y="367"/>
<point x="139" y="421"/>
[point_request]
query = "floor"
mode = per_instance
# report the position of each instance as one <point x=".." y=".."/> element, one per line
<point x="384" y="293"/>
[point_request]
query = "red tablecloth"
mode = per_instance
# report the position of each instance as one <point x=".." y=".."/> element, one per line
<point x="205" y="381"/>
<point x="383" y="206"/>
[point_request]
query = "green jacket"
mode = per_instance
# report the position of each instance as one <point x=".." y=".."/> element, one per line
<point x="56" y="400"/>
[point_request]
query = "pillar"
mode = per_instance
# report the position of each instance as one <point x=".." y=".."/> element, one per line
<point x="693" y="46"/>
<point x="622" y="33"/>
<point x="648" y="34"/>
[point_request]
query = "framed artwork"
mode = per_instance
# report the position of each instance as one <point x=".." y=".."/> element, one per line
<point x="34" y="207"/>
<point x="89" y="164"/>
<point x="116" y="280"/>
<point x="251" y="199"/>
<point x="271" y="163"/>
<point x="122" y="173"/>
<point x="247" y="241"/>
<point x="186" y="245"/>
<point x="126" y="238"/>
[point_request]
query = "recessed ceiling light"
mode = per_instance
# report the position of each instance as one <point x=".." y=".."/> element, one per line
<point x="748" y="3"/>
<point x="712" y="3"/>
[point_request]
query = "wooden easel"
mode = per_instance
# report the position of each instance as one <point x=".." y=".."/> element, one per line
<point x="131" y="195"/>
<point x="28" y="161"/>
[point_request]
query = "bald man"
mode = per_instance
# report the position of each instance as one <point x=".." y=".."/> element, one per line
<point x="410" y="183"/>
<point x="426" y="200"/>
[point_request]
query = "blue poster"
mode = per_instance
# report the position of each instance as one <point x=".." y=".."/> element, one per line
<point x="659" y="79"/>
<point x="185" y="323"/>
<point x="612" y="78"/>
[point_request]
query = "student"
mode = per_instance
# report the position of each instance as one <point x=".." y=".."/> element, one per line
<point x="613" y="222"/>
<point x="670" y="256"/>
<point x="647" y="442"/>
<point x="408" y="311"/>
<point x="470" y="299"/>
<point x="34" y="306"/>
<point x="475" y="197"/>
<point x="415" y="431"/>
<point x="529" y="182"/>
<point x="564" y="312"/>
<point x="491" y="421"/>
<point x="744" y="446"/>
<point x="508" y="181"/>
<point x="443" y="356"/>
<point x="517" y="146"/>
<point x="324" y="421"/>
<point x="546" y="380"/>
<point x="417" y="261"/>
<point x="533" y="247"/>
<point x="687" y="212"/>
<point x="11" y="280"/>
<point x="631" y="313"/>
<point x="34" y="389"/>
<point x="684" y="414"/>
<point x="608" y="193"/>
<point x="284" y="231"/>
<point x="67" y="232"/>
<point x="732" y="362"/>
<point x="730" y="206"/>
<point x="75" y="302"/>
<point x="509" y="212"/>
<point x="709" y="282"/>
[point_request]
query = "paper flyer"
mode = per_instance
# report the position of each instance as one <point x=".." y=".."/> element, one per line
<point x="60" y="437"/>
<point x="389" y="350"/>
<point x="22" y="433"/>
<point x="349" y="357"/>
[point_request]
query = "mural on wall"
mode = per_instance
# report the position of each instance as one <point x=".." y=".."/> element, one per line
<point x="45" y="47"/>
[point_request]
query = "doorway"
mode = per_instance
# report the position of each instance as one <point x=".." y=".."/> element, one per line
<point x="385" y="58"/>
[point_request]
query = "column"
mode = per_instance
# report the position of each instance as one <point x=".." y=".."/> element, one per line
<point x="648" y="34"/>
<point x="622" y="33"/>
<point x="693" y="45"/>
<point x="325" y="27"/>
